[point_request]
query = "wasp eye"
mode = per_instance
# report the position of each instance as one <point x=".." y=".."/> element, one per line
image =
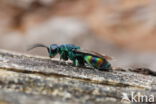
<point x="53" y="53"/>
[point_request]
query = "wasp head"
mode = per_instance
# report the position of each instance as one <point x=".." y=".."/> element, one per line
<point x="53" y="50"/>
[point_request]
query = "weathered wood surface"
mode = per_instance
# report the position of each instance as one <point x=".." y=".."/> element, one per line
<point x="28" y="79"/>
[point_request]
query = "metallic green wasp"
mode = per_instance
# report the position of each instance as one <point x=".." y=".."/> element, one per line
<point x="79" y="58"/>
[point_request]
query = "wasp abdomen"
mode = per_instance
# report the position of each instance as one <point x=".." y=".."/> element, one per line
<point x="97" y="62"/>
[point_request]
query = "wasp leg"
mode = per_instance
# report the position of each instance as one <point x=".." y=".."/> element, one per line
<point x="75" y="63"/>
<point x="80" y="61"/>
<point x="61" y="57"/>
<point x="60" y="61"/>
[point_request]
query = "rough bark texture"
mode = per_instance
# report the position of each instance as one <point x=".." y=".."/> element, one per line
<point x="28" y="79"/>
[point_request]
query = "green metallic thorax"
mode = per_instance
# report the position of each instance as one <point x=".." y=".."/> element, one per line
<point x="66" y="51"/>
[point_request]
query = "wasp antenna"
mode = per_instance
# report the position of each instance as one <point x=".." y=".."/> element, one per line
<point x="37" y="45"/>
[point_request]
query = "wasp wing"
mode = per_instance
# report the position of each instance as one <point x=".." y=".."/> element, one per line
<point x="93" y="53"/>
<point x="101" y="55"/>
